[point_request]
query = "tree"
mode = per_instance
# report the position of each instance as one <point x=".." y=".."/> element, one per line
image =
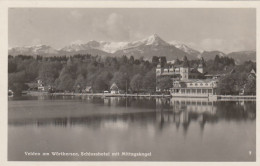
<point x="250" y="87"/>
<point x="163" y="61"/>
<point x="149" y="82"/>
<point x="80" y="83"/>
<point x="16" y="82"/>
<point x="102" y="81"/>
<point x="136" y="82"/>
<point x="49" y="72"/>
<point x="12" y="67"/>
<point x="120" y="79"/>
<point x="32" y="71"/>
<point x="66" y="78"/>
<point x="177" y="62"/>
<point x="65" y="82"/>
<point x="217" y="59"/>
<point x="185" y="62"/>
<point x="164" y="83"/>
<point x="227" y="85"/>
<point x="155" y="60"/>
<point x="132" y="60"/>
<point x="202" y="61"/>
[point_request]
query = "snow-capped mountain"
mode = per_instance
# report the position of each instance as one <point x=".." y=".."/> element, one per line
<point x="146" y="48"/>
<point x="33" y="50"/>
<point x="109" y="47"/>
<point x="112" y="47"/>
<point x="151" y="46"/>
<point x="187" y="49"/>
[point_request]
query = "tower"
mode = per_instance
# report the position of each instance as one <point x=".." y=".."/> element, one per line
<point x="200" y="68"/>
<point x="158" y="70"/>
<point x="184" y="69"/>
<point x="184" y="72"/>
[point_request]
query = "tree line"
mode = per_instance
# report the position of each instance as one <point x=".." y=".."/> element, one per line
<point x="74" y="73"/>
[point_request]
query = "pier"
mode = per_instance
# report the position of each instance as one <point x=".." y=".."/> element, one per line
<point x="235" y="97"/>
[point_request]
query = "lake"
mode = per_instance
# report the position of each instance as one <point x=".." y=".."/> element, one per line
<point x="117" y="129"/>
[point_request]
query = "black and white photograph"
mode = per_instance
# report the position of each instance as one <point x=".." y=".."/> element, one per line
<point x="131" y="84"/>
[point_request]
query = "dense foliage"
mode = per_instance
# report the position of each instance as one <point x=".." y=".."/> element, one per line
<point x="76" y="72"/>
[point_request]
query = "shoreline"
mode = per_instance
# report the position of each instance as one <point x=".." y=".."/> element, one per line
<point x="217" y="97"/>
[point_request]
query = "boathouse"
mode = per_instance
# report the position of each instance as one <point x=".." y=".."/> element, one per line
<point x="194" y="87"/>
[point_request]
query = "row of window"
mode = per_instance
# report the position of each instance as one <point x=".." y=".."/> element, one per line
<point x="201" y="84"/>
<point x="176" y="70"/>
<point x="193" y="103"/>
<point x="195" y="91"/>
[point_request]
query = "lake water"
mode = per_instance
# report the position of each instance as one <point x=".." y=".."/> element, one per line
<point x="163" y="129"/>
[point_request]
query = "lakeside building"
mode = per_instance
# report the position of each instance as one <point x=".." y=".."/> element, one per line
<point x="194" y="87"/>
<point x="114" y="89"/>
<point x="188" y="81"/>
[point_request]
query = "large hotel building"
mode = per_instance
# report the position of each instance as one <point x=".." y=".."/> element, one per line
<point x="188" y="81"/>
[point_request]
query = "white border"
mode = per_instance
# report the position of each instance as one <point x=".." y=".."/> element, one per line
<point x="4" y="5"/>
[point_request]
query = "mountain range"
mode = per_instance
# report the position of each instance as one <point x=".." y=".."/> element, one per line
<point x="146" y="48"/>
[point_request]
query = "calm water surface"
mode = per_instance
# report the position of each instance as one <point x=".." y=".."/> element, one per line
<point x="171" y="129"/>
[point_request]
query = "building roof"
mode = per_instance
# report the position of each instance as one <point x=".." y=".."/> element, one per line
<point x="199" y="81"/>
<point x="194" y="71"/>
<point x="88" y="88"/>
<point x="253" y="71"/>
<point x="114" y="87"/>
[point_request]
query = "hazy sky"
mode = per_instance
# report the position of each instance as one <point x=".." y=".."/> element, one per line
<point x="209" y="29"/>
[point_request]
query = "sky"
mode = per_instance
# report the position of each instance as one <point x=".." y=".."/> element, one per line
<point x="208" y="29"/>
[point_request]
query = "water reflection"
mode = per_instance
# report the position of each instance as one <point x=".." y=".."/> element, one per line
<point x="171" y="129"/>
<point x="160" y="112"/>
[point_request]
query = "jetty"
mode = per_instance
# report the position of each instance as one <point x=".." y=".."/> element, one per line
<point x="236" y="97"/>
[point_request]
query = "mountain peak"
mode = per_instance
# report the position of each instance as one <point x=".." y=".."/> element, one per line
<point x="154" y="40"/>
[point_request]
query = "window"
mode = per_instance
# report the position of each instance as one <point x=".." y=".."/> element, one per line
<point x="201" y="84"/>
<point x="198" y="90"/>
<point x="196" y="84"/>
<point x="191" y="84"/>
